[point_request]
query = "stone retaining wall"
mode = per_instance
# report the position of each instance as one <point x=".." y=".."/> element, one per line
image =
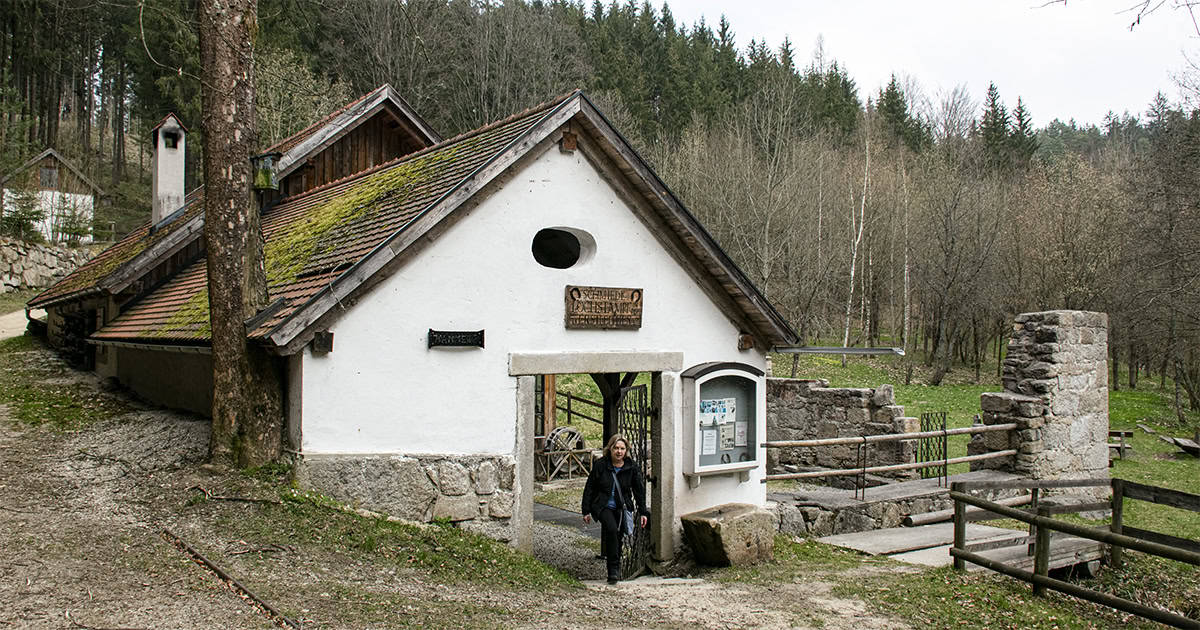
<point x="1056" y="390"/>
<point x="474" y="491"/>
<point x="800" y="409"/>
<point x="29" y="266"/>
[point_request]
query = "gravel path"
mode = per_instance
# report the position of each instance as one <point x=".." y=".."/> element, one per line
<point x="13" y="324"/>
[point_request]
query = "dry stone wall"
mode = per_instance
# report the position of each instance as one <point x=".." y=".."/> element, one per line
<point x="1056" y="390"/>
<point x="29" y="266"/>
<point x="802" y="409"/>
<point x="475" y="492"/>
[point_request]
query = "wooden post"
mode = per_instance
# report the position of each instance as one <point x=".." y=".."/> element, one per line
<point x="1116" y="552"/>
<point x="549" y="403"/>
<point x="1041" y="555"/>
<point x="960" y="526"/>
<point x="1033" y="506"/>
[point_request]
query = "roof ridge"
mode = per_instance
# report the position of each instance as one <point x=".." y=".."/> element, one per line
<point x="435" y="147"/>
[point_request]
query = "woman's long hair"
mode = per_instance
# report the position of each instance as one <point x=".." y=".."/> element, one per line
<point x="617" y="437"/>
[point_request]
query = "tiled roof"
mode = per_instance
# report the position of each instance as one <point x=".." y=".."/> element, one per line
<point x="313" y="237"/>
<point x="87" y="278"/>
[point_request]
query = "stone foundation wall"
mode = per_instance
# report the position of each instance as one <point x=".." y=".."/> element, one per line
<point x="799" y="409"/>
<point x="1056" y="390"/>
<point x="473" y="491"/>
<point x="28" y="266"/>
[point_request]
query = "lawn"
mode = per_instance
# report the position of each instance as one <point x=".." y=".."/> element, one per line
<point x="15" y="300"/>
<point x="943" y="599"/>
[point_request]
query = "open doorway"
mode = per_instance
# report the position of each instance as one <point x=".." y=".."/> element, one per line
<point x="574" y="416"/>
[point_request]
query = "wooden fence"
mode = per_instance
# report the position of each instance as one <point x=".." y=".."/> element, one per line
<point x="1118" y="536"/>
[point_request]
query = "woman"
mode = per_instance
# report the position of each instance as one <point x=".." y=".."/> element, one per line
<point x="604" y="501"/>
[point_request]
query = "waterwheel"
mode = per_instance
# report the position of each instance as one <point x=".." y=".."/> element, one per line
<point x="559" y="461"/>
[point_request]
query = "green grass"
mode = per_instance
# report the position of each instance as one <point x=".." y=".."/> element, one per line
<point x="447" y="555"/>
<point x="561" y="498"/>
<point x="39" y="393"/>
<point x="942" y="598"/>
<point x="15" y="300"/>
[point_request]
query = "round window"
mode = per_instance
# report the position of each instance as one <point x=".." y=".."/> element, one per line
<point x="557" y="249"/>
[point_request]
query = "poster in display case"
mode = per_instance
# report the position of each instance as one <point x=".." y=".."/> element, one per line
<point x="723" y="405"/>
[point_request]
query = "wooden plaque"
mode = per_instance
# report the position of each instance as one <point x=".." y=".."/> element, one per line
<point x="603" y="308"/>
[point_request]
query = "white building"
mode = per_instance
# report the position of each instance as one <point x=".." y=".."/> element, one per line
<point x="416" y="303"/>
<point x="65" y="197"/>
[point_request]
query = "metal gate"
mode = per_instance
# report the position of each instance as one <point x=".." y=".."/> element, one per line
<point x="633" y="421"/>
<point x="932" y="449"/>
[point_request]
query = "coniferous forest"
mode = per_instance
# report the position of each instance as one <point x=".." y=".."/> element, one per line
<point x="901" y="217"/>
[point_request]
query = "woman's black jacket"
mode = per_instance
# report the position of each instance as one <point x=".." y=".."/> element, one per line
<point x="599" y="485"/>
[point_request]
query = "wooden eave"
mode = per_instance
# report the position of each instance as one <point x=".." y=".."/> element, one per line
<point x="752" y="308"/>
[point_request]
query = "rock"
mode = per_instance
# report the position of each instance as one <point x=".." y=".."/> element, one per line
<point x="456" y="508"/>
<point x="453" y="478"/>
<point x="486" y="477"/>
<point x="733" y="534"/>
<point x="884" y="395"/>
<point x="850" y="521"/>
<point x="501" y="505"/>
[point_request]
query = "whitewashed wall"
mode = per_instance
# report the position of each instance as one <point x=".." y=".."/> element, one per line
<point x="382" y="391"/>
<point x="56" y="206"/>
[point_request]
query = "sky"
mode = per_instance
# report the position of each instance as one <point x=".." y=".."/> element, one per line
<point x="1077" y="60"/>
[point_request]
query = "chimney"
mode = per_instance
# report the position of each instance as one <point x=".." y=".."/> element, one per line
<point x="166" y="167"/>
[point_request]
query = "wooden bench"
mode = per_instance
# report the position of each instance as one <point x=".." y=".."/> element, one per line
<point x="1120" y="446"/>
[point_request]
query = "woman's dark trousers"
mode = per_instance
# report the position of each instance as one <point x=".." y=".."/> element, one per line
<point x="610" y="540"/>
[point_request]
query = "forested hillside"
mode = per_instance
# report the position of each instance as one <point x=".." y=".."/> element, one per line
<point x="899" y="217"/>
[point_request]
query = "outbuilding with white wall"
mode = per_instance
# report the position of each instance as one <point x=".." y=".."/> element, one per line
<point x="414" y="306"/>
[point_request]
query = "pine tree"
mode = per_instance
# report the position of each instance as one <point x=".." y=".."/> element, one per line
<point x="994" y="130"/>
<point x="1023" y="142"/>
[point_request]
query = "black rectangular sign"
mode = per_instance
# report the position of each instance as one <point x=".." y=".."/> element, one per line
<point x="456" y="338"/>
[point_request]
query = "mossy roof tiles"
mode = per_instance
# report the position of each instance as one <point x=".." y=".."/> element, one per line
<point x="313" y="237"/>
<point x="87" y="278"/>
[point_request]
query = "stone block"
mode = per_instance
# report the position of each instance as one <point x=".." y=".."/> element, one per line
<point x="732" y="534"/>
<point x="486" y="477"/>
<point x="996" y="402"/>
<point x="820" y="522"/>
<point x="452" y="478"/>
<point x="849" y="521"/>
<point x="463" y="507"/>
<point x="884" y="395"/>
<point x="501" y="505"/>
<point x="907" y="425"/>
<point x="791" y="521"/>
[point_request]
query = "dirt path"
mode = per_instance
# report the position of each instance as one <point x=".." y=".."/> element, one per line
<point x="81" y="545"/>
<point x="13" y="324"/>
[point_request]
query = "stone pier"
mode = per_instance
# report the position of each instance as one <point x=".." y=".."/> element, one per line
<point x="1056" y="391"/>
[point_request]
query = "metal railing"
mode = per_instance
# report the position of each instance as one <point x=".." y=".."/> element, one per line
<point x="1118" y="536"/>
<point x="862" y="441"/>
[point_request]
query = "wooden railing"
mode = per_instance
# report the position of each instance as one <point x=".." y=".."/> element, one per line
<point x="1118" y="536"/>
<point x="572" y="411"/>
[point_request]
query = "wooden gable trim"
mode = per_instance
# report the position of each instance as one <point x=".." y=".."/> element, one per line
<point x="350" y="120"/>
<point x="61" y="160"/>
<point x="291" y="335"/>
<point x="144" y="262"/>
<point x="666" y="235"/>
<point x="736" y="284"/>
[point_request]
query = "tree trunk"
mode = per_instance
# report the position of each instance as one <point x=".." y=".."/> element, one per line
<point x="1133" y="365"/>
<point x="247" y="413"/>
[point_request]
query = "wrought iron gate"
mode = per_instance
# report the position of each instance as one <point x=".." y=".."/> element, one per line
<point x="633" y="421"/>
<point x="932" y="449"/>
